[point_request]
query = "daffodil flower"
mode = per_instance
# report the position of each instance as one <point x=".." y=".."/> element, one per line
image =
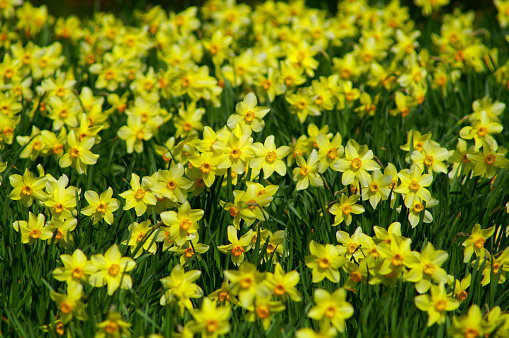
<point x="101" y="206"/>
<point x="355" y="165"/>
<point x="110" y="269"/>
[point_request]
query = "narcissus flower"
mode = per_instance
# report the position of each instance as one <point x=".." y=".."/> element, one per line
<point x="75" y="268"/>
<point x="237" y="246"/>
<point x="114" y="326"/>
<point x="324" y="262"/>
<point x="344" y="209"/>
<point x="471" y="325"/>
<point x="413" y="185"/>
<point x="249" y="114"/>
<point x="425" y="267"/>
<point x="329" y="152"/>
<point x="284" y="285"/>
<point x="475" y="242"/>
<point x="27" y="188"/>
<point x="332" y="308"/>
<point x="269" y="158"/>
<point x="431" y="157"/>
<point x="211" y="320"/>
<point x="110" y="269"/>
<point x="69" y="304"/>
<point x="436" y="304"/>
<point x="78" y="154"/>
<point x="355" y="165"/>
<point x="101" y="206"/>
<point x="182" y="223"/>
<point x="34" y="229"/>
<point x="180" y="287"/>
<point x="247" y="283"/>
<point x="140" y="195"/>
<point x="307" y="172"/>
<point x="142" y="236"/>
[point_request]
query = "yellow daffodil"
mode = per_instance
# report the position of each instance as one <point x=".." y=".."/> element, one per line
<point x="283" y="285"/>
<point x="180" y="287"/>
<point x="324" y="260"/>
<point x="413" y="185"/>
<point x="182" y="223"/>
<point x="249" y="114"/>
<point x="101" y="206"/>
<point x="307" y="172"/>
<point x="114" y="326"/>
<point x="431" y="158"/>
<point x="247" y="283"/>
<point x="75" y="269"/>
<point x="425" y="267"/>
<point x="436" y="304"/>
<point x="27" y="188"/>
<point x="344" y="209"/>
<point x="475" y="242"/>
<point x="34" y="229"/>
<point x="110" y="269"/>
<point x="140" y="195"/>
<point x="237" y="247"/>
<point x="69" y="304"/>
<point x="211" y="320"/>
<point x="355" y="165"/>
<point x="78" y="154"/>
<point x="269" y="158"/>
<point x="332" y="308"/>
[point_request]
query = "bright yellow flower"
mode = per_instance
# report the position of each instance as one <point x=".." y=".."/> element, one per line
<point x="263" y="310"/>
<point x="324" y="262"/>
<point x="114" y="326"/>
<point x="62" y="202"/>
<point x="237" y="247"/>
<point x="307" y="172"/>
<point x="488" y="162"/>
<point x="247" y="283"/>
<point x="172" y="184"/>
<point x="302" y="103"/>
<point x="188" y="121"/>
<point x="475" y="242"/>
<point x="141" y="236"/>
<point x="283" y="285"/>
<point x="331" y="308"/>
<point x="329" y="152"/>
<point x="101" y="206"/>
<point x="345" y="208"/>
<point x="239" y="210"/>
<point x="413" y="185"/>
<point x="69" y="304"/>
<point x="470" y="326"/>
<point x="140" y="195"/>
<point x="78" y="154"/>
<point x="183" y="223"/>
<point x="180" y="287"/>
<point x="425" y="267"/>
<point x="437" y="304"/>
<point x="61" y="228"/>
<point x="208" y="164"/>
<point x="211" y="320"/>
<point x="110" y="269"/>
<point x="27" y="188"/>
<point x="75" y="268"/>
<point x="34" y="229"/>
<point x="135" y="133"/>
<point x="248" y="114"/>
<point x="355" y="165"/>
<point x="269" y="158"/>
